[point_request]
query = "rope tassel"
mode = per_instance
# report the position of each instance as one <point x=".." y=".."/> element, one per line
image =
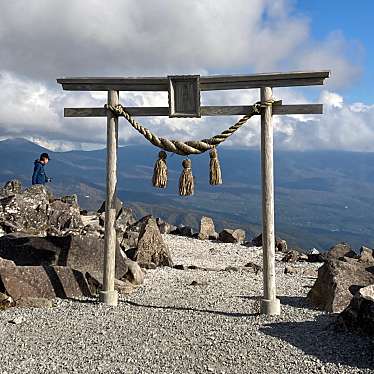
<point x="215" y="176"/>
<point x="186" y="180"/>
<point x="160" y="171"/>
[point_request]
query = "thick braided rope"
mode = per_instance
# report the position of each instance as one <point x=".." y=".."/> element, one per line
<point x="191" y="146"/>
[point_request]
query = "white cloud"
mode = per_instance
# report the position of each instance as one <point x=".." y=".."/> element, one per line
<point x="45" y="39"/>
<point x="42" y="40"/>
<point x="341" y="127"/>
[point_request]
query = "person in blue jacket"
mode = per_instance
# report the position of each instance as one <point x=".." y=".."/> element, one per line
<point x="39" y="176"/>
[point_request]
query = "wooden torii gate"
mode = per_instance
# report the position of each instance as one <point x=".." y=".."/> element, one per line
<point x="184" y="101"/>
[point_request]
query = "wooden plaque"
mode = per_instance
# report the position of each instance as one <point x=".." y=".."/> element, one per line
<point x="184" y="96"/>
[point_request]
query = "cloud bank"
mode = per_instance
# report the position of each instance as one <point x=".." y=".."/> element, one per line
<point x="42" y="40"/>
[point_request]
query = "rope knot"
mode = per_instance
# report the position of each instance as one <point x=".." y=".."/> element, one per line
<point x="187" y="163"/>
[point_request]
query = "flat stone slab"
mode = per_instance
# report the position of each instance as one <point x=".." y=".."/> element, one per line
<point x="84" y="253"/>
<point x="47" y="282"/>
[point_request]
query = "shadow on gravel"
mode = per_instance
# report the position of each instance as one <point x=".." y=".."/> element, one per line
<point x="294" y="301"/>
<point x="217" y="312"/>
<point x="319" y="338"/>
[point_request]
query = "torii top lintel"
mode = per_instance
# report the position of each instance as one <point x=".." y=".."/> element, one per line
<point x="207" y="83"/>
<point x="184" y="92"/>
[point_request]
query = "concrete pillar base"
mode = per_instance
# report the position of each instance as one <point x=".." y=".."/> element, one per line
<point x="270" y="307"/>
<point x="109" y="297"/>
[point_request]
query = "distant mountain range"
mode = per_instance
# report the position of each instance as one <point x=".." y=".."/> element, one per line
<point x="322" y="197"/>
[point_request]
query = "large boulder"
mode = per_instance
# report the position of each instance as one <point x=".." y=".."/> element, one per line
<point x="134" y="274"/>
<point x="340" y="250"/>
<point x="47" y="282"/>
<point x="337" y="282"/>
<point x="63" y="216"/>
<point x="152" y="250"/>
<point x="232" y="236"/>
<point x="366" y="255"/>
<point x="84" y="253"/>
<point x="26" y="211"/>
<point x="359" y="315"/>
<point x="11" y="188"/>
<point x="207" y="229"/>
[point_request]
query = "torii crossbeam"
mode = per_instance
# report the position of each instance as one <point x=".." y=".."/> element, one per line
<point x="184" y="101"/>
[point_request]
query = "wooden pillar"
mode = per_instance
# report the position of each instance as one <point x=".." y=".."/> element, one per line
<point x="108" y="295"/>
<point x="270" y="305"/>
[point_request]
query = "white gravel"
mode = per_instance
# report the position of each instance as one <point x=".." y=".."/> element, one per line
<point x="171" y="326"/>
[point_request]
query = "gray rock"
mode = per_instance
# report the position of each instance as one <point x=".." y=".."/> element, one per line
<point x="232" y="236"/>
<point x="151" y="247"/>
<point x="6" y="263"/>
<point x="336" y="284"/>
<point x="340" y="250"/>
<point x="125" y="218"/>
<point x="63" y="216"/>
<point x="134" y="274"/>
<point x="17" y="320"/>
<point x="5" y="301"/>
<point x="165" y="227"/>
<point x="46" y="282"/>
<point x="367" y="292"/>
<point x="95" y="281"/>
<point x="207" y="229"/>
<point x="70" y="199"/>
<point x="280" y="244"/>
<point x="294" y="256"/>
<point x="256" y="268"/>
<point x="11" y="188"/>
<point x="366" y="254"/>
<point x="84" y="253"/>
<point x="137" y="226"/>
<point x="26" y="212"/>
<point x="186" y="231"/>
<point x="359" y="315"/>
<point x="130" y="240"/>
<point x="291" y="270"/>
<point x="314" y="251"/>
<point x="257" y="241"/>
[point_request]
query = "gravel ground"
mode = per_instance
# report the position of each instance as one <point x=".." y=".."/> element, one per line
<point x="186" y="321"/>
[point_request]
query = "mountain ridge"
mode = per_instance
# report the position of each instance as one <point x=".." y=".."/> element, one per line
<point x="321" y="196"/>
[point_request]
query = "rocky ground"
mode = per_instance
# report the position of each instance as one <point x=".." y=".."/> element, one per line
<point x="186" y="321"/>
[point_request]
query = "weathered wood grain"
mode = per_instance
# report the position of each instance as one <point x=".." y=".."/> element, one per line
<point x="108" y="295"/>
<point x="269" y="303"/>
<point x="204" y="110"/>
<point x="207" y="83"/>
<point x="184" y="96"/>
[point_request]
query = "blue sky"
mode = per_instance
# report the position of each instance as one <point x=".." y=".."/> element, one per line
<point x="356" y="21"/>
